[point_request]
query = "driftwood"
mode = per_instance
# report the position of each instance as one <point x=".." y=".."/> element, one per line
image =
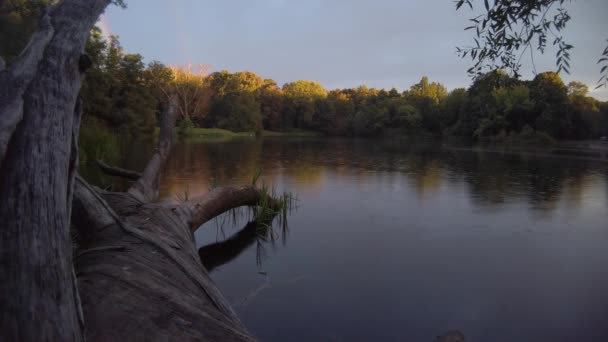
<point x="138" y="274"/>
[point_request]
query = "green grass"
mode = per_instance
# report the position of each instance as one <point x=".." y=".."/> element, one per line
<point x="98" y="143"/>
<point x="218" y="133"/>
<point x="293" y="133"/>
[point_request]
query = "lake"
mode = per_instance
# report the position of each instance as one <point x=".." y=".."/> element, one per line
<point x="403" y="240"/>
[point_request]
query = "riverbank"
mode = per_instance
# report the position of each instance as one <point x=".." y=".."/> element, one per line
<point x="218" y="133"/>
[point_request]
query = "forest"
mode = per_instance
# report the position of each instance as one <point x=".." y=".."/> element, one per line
<point x="123" y="93"/>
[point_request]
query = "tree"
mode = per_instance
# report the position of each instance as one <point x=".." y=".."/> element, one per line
<point x="118" y="91"/>
<point x="585" y="111"/>
<point x="550" y="96"/>
<point x="135" y="101"/>
<point x="507" y="29"/>
<point x="18" y="19"/>
<point x="192" y="94"/>
<point x="515" y="105"/>
<point x="434" y="91"/>
<point x="271" y="104"/>
<point x="453" y="106"/>
<point x="576" y="88"/>
<point x="301" y="96"/>
<point x="240" y="112"/>
<point x="426" y="96"/>
<point x="342" y="111"/>
<point x="38" y="158"/>
<point x="409" y="117"/>
<point x="371" y="120"/>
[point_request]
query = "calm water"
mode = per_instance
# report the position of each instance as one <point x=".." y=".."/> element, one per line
<point x="403" y="241"/>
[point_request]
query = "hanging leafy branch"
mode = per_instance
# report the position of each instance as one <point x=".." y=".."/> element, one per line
<point x="603" y="81"/>
<point x="511" y="28"/>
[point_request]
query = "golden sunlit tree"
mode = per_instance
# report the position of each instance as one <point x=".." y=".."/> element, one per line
<point x="188" y="86"/>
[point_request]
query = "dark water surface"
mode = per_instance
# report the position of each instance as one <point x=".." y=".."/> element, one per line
<point x="403" y="241"/>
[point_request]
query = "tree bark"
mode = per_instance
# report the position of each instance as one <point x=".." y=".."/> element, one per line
<point x="38" y="133"/>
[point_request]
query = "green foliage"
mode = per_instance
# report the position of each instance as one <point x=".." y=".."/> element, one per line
<point x="118" y="89"/>
<point x="409" y="117"/>
<point x="507" y="29"/>
<point x="302" y="96"/>
<point x="453" y="107"/>
<point x="96" y="142"/>
<point x="240" y="112"/>
<point x="576" y="88"/>
<point x="18" y="20"/>
<point x="185" y="127"/>
<point x="121" y="92"/>
<point x="528" y="135"/>
<point x="425" y="90"/>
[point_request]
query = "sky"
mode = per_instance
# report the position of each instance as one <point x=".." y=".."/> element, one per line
<point x="340" y="43"/>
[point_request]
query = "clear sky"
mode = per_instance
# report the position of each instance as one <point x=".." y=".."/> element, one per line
<point x="340" y="43"/>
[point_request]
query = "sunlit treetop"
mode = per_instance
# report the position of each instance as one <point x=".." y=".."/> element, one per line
<point x="509" y="29"/>
<point x="304" y="88"/>
<point x="576" y="88"/>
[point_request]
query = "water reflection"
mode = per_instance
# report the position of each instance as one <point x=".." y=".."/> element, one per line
<point x="492" y="178"/>
<point x="505" y="245"/>
<point x="254" y="233"/>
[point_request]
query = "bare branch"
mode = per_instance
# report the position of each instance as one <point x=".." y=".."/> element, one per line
<point x="145" y="188"/>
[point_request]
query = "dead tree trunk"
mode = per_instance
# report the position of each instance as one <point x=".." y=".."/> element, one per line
<point x="39" y="122"/>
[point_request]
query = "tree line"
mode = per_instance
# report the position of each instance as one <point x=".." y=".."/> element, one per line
<point x="122" y="91"/>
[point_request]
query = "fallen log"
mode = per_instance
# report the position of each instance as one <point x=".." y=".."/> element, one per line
<point x="139" y="273"/>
